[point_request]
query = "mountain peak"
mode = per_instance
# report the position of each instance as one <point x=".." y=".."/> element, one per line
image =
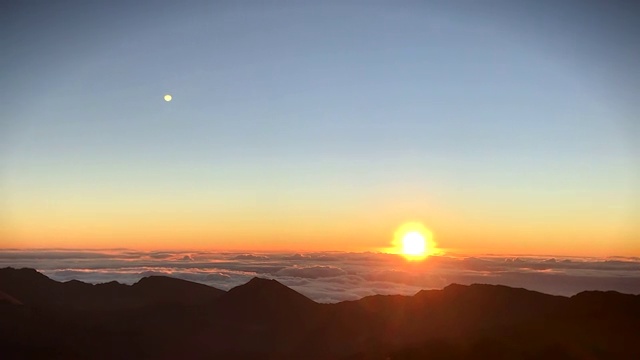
<point x="23" y="273"/>
<point x="156" y="279"/>
<point x="269" y="287"/>
<point x="262" y="284"/>
<point x="258" y="281"/>
<point x="171" y="283"/>
<point x="268" y="293"/>
<point x="455" y="287"/>
<point x="34" y="288"/>
<point x="175" y="290"/>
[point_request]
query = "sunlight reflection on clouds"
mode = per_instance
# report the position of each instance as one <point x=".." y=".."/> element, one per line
<point x="334" y="276"/>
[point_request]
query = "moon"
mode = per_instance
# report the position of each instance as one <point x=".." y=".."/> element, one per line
<point x="168" y="98"/>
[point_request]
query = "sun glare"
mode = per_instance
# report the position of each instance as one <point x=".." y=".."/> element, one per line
<point x="413" y="241"/>
<point x="413" y="244"/>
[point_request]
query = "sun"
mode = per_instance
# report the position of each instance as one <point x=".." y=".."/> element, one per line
<point x="413" y="241"/>
<point x="168" y="98"/>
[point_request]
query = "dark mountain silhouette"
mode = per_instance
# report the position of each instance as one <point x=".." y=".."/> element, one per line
<point x="8" y="299"/>
<point x="35" y="289"/>
<point x="262" y="295"/>
<point x="163" y="289"/>
<point x="264" y="319"/>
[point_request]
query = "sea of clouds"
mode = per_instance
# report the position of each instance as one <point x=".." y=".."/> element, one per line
<point x="336" y="276"/>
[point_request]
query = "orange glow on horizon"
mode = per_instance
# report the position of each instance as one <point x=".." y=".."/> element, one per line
<point x="360" y="228"/>
<point x="413" y="241"/>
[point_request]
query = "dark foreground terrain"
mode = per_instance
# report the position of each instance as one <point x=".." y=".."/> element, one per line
<point x="167" y="318"/>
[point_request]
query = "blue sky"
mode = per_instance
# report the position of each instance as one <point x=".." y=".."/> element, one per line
<point x="290" y="107"/>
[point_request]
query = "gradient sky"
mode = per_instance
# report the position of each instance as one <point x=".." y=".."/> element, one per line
<point x="320" y="125"/>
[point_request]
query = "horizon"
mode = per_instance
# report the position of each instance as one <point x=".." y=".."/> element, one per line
<point x="382" y="250"/>
<point x="337" y="276"/>
<point x="321" y="301"/>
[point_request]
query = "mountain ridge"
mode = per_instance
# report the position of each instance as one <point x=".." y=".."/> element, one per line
<point x="34" y="288"/>
<point x="266" y="319"/>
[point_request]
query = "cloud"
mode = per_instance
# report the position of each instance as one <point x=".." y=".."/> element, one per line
<point x="160" y="255"/>
<point x="250" y="257"/>
<point x="334" y="276"/>
<point x="217" y="277"/>
<point x="51" y="254"/>
<point x="295" y="257"/>
<point x="311" y="272"/>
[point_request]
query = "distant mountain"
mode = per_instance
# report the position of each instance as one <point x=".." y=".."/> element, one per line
<point x="262" y="295"/>
<point x="163" y="289"/>
<point x="35" y="289"/>
<point x="166" y="318"/>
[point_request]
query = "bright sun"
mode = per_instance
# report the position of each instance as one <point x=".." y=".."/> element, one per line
<point x="413" y="241"/>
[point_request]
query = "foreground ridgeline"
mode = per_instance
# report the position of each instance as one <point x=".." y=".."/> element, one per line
<point x="166" y="318"/>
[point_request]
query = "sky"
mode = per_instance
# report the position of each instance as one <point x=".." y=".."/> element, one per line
<point x="320" y="126"/>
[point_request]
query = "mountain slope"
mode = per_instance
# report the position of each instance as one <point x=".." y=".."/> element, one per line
<point x="8" y="299"/>
<point x="264" y="319"/>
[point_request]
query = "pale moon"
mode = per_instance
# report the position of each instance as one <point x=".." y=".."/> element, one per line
<point x="167" y="98"/>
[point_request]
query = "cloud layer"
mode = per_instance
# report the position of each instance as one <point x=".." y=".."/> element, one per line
<point x="335" y="276"/>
